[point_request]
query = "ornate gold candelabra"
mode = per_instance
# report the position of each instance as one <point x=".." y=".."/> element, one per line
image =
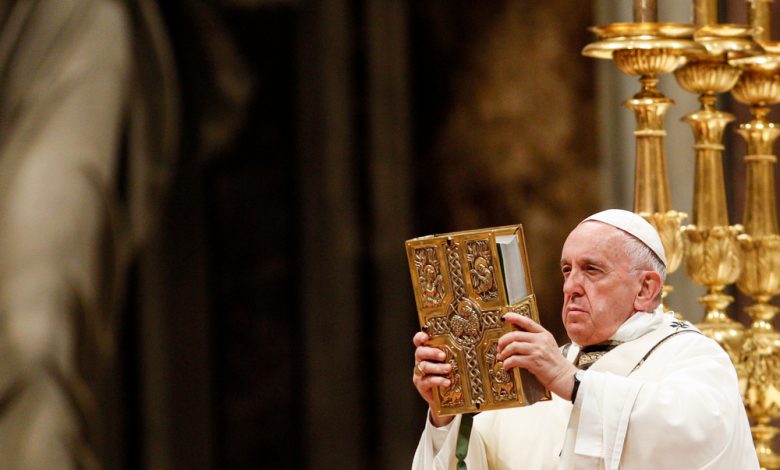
<point x="760" y="276"/>
<point x="759" y="87"/>
<point x="712" y="252"/>
<point x="647" y="49"/>
<point x="715" y="56"/>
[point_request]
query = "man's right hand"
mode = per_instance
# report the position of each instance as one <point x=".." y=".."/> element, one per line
<point x="431" y="372"/>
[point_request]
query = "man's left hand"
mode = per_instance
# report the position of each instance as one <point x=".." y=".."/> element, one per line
<point x="535" y="349"/>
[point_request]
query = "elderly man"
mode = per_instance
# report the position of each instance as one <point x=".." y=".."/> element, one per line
<point x="635" y="389"/>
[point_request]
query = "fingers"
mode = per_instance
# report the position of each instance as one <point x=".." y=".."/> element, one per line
<point x="515" y="347"/>
<point x="430" y="381"/>
<point x="428" y="361"/>
<point x="514" y="336"/>
<point x="420" y="338"/>
<point x="430" y="370"/>
<point x="523" y="322"/>
<point x="518" y="361"/>
<point x="434" y="368"/>
<point x="428" y="375"/>
<point x="427" y="383"/>
<point x="427" y="353"/>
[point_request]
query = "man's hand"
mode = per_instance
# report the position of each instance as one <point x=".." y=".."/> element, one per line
<point x="535" y="349"/>
<point x="430" y="372"/>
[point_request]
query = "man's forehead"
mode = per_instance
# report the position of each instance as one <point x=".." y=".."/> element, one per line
<point x="595" y="232"/>
<point x="590" y="239"/>
<point x="634" y="226"/>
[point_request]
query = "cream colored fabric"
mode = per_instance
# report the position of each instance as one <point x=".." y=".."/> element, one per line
<point x="64" y="68"/>
<point x="66" y="103"/>
<point x="681" y="408"/>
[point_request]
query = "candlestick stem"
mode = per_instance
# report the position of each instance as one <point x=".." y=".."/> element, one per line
<point x="645" y="11"/>
<point x="705" y="12"/>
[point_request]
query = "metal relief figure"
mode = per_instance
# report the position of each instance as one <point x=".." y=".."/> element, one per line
<point x="452" y="395"/>
<point x="430" y="277"/>
<point x="465" y="322"/>
<point x="481" y="269"/>
<point x="501" y="383"/>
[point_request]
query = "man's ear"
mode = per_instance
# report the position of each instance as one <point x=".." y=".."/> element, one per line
<point x="647" y="298"/>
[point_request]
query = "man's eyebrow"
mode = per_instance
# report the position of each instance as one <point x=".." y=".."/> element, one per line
<point x="584" y="260"/>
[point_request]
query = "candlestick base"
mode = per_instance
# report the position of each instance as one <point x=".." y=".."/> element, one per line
<point x="717" y="325"/>
<point x="763" y="434"/>
<point x="760" y="358"/>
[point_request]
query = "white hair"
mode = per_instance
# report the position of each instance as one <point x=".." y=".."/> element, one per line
<point x="642" y="256"/>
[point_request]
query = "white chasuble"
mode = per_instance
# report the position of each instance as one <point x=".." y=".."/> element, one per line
<point x="680" y="409"/>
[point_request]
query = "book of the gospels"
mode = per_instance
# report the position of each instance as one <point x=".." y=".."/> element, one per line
<point x="464" y="282"/>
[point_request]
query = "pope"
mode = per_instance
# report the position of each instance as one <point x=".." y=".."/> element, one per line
<point x="634" y="389"/>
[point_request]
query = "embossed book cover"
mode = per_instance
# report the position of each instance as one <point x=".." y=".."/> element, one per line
<point x="463" y="283"/>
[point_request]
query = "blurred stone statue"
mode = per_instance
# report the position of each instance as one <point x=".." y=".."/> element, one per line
<point x="87" y="139"/>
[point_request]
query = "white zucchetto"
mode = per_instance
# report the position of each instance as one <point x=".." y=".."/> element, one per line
<point x="634" y="225"/>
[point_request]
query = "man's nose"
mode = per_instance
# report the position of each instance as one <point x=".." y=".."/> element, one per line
<point x="572" y="284"/>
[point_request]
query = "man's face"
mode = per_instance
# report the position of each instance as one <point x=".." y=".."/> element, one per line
<point x="599" y="287"/>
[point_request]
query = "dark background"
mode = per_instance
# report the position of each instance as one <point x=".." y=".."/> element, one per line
<point x="318" y="136"/>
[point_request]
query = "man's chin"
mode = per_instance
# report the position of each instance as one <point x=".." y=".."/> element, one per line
<point x="577" y="334"/>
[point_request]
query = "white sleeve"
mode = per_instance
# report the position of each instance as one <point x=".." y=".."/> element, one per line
<point x="605" y="402"/>
<point x="436" y="449"/>
<point x="681" y="409"/>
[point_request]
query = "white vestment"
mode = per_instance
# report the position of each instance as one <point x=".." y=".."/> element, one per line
<point x="681" y="409"/>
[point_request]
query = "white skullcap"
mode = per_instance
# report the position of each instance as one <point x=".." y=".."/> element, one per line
<point x="634" y="225"/>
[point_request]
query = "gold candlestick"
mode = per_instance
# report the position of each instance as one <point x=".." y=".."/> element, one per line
<point x="645" y="11"/>
<point x="759" y="86"/>
<point x="647" y="50"/>
<point x="705" y="12"/>
<point x="712" y="252"/>
<point x="760" y="19"/>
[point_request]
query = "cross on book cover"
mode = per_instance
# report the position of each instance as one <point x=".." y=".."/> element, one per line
<point x="463" y="283"/>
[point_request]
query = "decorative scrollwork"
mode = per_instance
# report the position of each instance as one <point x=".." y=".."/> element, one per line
<point x="481" y="269"/>
<point x="477" y="391"/>
<point x="491" y="319"/>
<point x="456" y="273"/>
<point x="522" y="309"/>
<point x="436" y="326"/>
<point x="429" y="276"/>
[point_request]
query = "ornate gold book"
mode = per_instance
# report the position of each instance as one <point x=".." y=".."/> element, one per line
<point x="463" y="283"/>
